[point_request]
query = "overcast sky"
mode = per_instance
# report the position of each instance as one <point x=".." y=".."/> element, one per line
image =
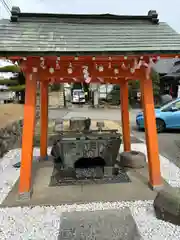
<point x="169" y="10"/>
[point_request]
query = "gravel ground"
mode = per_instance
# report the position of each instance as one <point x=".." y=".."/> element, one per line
<point x="39" y="223"/>
<point x="44" y="222"/>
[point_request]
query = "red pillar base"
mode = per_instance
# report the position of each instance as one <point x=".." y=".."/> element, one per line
<point x="156" y="188"/>
<point x="25" y="196"/>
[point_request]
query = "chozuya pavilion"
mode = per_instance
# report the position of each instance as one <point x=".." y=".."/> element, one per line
<point x="95" y="48"/>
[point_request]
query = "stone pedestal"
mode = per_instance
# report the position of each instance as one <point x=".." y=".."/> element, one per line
<point x="167" y="205"/>
<point x="79" y="124"/>
<point x="132" y="159"/>
<point x="59" y="125"/>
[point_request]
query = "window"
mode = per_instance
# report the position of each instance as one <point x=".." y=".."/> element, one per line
<point x="166" y="107"/>
<point x="169" y="106"/>
<point x="177" y="105"/>
<point x="116" y="88"/>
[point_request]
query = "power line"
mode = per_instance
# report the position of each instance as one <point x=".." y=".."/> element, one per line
<point x="9" y="3"/>
<point x="5" y="5"/>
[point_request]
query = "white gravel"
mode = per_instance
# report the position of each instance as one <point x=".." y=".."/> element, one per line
<point x="39" y="223"/>
<point x="29" y="223"/>
<point x="8" y="174"/>
<point x="44" y="222"/>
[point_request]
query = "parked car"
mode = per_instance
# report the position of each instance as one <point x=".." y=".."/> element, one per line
<point x="78" y="96"/>
<point x="167" y="116"/>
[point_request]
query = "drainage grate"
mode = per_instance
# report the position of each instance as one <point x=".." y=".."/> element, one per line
<point x="64" y="178"/>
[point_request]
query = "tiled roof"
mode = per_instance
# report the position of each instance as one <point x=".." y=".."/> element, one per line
<point x="164" y="66"/>
<point x="66" y="34"/>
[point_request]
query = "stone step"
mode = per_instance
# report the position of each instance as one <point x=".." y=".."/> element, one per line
<point x="99" y="225"/>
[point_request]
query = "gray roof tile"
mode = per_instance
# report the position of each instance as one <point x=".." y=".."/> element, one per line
<point x="164" y="66"/>
<point x="76" y="33"/>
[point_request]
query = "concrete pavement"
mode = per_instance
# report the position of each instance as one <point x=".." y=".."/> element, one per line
<point x="108" y="114"/>
<point x="169" y="142"/>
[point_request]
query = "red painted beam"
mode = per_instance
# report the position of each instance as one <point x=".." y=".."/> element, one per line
<point x="46" y="68"/>
<point x="97" y="58"/>
<point x="92" y="73"/>
<point x="93" y="80"/>
<point x="88" y="67"/>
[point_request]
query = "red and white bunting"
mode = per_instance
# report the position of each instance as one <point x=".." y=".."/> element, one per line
<point x="75" y="79"/>
<point x="101" y="80"/>
<point x="88" y="80"/>
<point x="87" y="68"/>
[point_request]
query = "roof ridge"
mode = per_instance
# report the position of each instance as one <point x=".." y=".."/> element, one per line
<point x="152" y="16"/>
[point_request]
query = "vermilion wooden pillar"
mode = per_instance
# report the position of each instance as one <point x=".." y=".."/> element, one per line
<point x="125" y="115"/>
<point x="155" y="179"/>
<point x="44" y="119"/>
<point x="27" y="137"/>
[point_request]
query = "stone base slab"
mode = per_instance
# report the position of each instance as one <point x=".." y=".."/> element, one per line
<point x="106" y="224"/>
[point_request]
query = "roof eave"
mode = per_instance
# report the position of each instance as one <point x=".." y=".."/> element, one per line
<point x="88" y="53"/>
<point x="100" y="16"/>
<point x="16" y="14"/>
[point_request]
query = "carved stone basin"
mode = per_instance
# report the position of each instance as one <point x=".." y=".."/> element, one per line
<point x="72" y="146"/>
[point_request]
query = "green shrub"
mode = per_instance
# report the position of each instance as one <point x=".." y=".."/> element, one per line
<point x="9" y="81"/>
<point x="17" y="88"/>
<point x="12" y="68"/>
